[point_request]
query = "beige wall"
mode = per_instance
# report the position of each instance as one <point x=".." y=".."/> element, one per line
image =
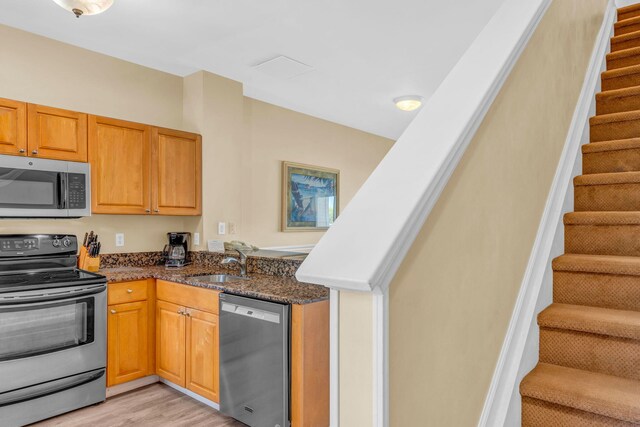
<point x="452" y="299"/>
<point x="244" y="143"/>
<point x="356" y="365"/>
<point x="243" y="140"/>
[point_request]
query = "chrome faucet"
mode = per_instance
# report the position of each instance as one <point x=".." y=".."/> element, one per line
<point x="242" y="262"/>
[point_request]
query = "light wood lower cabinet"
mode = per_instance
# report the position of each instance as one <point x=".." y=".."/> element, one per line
<point x="130" y="331"/>
<point x="202" y="354"/>
<point x="187" y="338"/>
<point x="128" y="346"/>
<point x="172" y="330"/>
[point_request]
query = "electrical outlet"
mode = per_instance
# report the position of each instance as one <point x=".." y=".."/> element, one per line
<point x="232" y="228"/>
<point x="119" y="239"/>
<point x="196" y="239"/>
<point x="222" y="228"/>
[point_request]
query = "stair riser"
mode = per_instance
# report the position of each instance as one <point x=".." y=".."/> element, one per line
<point x="613" y="291"/>
<point x="615" y="130"/>
<point x="609" y="197"/>
<point x="624" y="44"/>
<point x="620" y="82"/>
<point x="602" y="239"/>
<point x="538" y="413"/>
<point x="617" y="105"/>
<point x="590" y="352"/>
<point x="618" y="31"/>
<point x="611" y="161"/>
<point x="626" y="61"/>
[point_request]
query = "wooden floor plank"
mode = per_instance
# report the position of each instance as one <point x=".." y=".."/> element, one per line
<point x="154" y="405"/>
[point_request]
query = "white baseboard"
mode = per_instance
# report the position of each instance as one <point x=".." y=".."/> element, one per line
<point x="191" y="394"/>
<point x="131" y="385"/>
<point x="520" y="348"/>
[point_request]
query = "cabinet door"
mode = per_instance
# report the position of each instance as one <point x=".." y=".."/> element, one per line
<point x="177" y="173"/>
<point x="57" y="134"/>
<point x="120" y="157"/>
<point x="170" y="342"/>
<point x="13" y="127"/>
<point x="202" y="354"/>
<point x="128" y="349"/>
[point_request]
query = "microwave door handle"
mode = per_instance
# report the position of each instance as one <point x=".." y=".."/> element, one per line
<point x="62" y="190"/>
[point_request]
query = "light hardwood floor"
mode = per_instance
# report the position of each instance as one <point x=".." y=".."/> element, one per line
<point x="154" y="405"/>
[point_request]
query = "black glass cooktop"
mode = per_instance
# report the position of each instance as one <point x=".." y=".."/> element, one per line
<point x="47" y="279"/>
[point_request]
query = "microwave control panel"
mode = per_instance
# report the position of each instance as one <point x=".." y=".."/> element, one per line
<point x="77" y="191"/>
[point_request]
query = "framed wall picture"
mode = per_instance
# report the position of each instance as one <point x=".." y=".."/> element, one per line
<point x="310" y="197"/>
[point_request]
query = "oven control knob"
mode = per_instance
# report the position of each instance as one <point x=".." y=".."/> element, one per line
<point x="66" y="242"/>
<point x="56" y="243"/>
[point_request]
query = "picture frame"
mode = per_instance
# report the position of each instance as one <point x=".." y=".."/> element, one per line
<point x="310" y="197"/>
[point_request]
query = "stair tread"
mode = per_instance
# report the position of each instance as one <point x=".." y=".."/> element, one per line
<point x="595" y="320"/>
<point x="602" y="394"/>
<point x="623" y="71"/>
<point x="618" y="93"/>
<point x="623" y="53"/>
<point x="607" y="178"/>
<point x="626" y="22"/>
<point x="615" y="117"/>
<point x="602" y="218"/>
<point x="599" y="264"/>
<point x="625" y="37"/>
<point x="613" y="145"/>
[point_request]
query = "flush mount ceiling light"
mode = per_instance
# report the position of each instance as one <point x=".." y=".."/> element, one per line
<point x="85" y="7"/>
<point x="408" y="103"/>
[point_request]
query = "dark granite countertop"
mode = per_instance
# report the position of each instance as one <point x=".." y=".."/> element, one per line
<point x="273" y="288"/>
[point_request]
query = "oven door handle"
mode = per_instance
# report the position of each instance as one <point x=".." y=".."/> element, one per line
<point x="72" y="293"/>
<point x="50" y="387"/>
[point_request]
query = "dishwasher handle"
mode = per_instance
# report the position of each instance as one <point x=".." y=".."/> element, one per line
<point x="254" y="313"/>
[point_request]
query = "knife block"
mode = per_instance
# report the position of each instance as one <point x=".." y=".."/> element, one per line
<point x="85" y="262"/>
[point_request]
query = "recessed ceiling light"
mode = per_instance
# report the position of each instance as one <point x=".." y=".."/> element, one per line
<point x="85" y="7"/>
<point x="408" y="103"/>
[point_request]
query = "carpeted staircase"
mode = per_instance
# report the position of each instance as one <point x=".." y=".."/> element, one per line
<point x="588" y="372"/>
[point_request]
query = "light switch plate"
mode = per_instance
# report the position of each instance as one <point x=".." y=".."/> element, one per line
<point x="232" y="228"/>
<point x="196" y="239"/>
<point x="222" y="228"/>
<point x="119" y="239"/>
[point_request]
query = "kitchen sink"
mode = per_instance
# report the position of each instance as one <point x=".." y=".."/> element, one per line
<point x="218" y="278"/>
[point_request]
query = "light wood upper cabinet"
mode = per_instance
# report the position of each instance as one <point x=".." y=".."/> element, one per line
<point x="176" y="172"/>
<point x="56" y="134"/>
<point x="202" y="354"/>
<point x="120" y="157"/>
<point x="127" y="343"/>
<point x="171" y="335"/>
<point x="13" y="127"/>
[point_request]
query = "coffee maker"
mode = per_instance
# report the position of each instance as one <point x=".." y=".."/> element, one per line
<point x="176" y="252"/>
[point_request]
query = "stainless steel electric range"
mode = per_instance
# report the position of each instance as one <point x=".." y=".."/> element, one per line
<point x="52" y="329"/>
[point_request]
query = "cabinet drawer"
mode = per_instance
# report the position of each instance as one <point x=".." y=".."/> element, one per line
<point x="123" y="292"/>
<point x="188" y="296"/>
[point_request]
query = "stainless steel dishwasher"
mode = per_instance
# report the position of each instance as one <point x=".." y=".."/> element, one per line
<point x="254" y="361"/>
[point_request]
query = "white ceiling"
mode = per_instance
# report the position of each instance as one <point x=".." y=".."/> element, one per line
<point x="364" y="52"/>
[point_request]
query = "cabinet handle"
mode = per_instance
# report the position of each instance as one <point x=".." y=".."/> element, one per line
<point x="156" y="210"/>
<point x="188" y="313"/>
<point x="34" y="152"/>
<point x="129" y="291"/>
<point x="181" y="312"/>
<point x="21" y="150"/>
<point x="147" y="210"/>
<point x="113" y="312"/>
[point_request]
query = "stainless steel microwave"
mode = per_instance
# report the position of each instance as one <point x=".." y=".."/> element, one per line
<point x="32" y="188"/>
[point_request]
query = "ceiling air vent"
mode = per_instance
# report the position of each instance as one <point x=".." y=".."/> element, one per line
<point x="283" y="67"/>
